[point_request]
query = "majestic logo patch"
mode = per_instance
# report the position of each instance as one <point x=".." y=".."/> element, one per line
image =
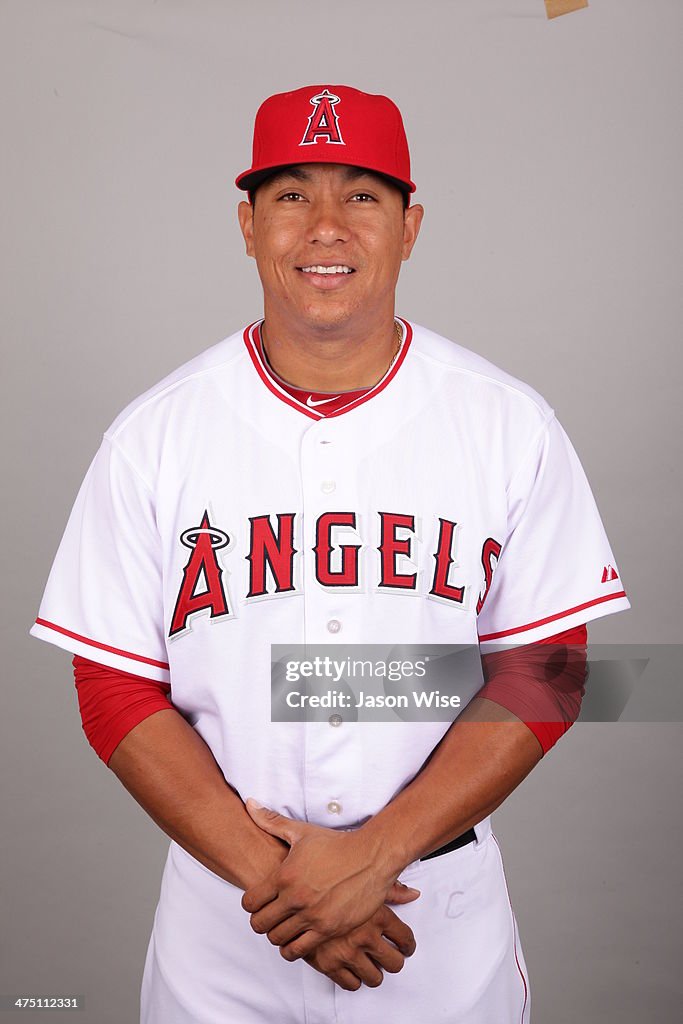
<point x="609" y="574"/>
<point x="202" y="566"/>
<point x="323" y="122"/>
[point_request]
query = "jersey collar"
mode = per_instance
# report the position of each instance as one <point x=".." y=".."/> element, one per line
<point x="251" y="339"/>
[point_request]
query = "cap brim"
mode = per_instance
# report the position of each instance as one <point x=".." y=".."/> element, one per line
<point x="251" y="179"/>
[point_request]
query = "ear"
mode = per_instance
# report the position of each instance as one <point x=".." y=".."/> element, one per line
<point x="411" y="228"/>
<point x="245" y="214"/>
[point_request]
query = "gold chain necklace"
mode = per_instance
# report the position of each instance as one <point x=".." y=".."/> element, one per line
<point x="399" y="343"/>
<point x="399" y="338"/>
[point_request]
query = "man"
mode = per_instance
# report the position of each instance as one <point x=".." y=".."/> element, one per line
<point x="331" y="474"/>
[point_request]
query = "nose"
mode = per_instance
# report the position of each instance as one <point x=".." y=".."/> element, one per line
<point x="328" y="224"/>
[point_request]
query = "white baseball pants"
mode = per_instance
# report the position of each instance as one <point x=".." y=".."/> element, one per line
<point x="205" y="965"/>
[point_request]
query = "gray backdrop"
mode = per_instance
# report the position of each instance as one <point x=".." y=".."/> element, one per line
<point x="547" y="155"/>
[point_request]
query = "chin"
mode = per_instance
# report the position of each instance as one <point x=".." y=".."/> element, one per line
<point x="327" y="317"/>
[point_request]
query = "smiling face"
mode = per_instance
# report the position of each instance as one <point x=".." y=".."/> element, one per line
<point x="328" y="240"/>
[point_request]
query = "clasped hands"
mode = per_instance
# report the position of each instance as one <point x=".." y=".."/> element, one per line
<point x="326" y="902"/>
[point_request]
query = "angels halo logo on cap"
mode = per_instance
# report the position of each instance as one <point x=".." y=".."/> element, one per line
<point x="324" y="122"/>
<point x="344" y="126"/>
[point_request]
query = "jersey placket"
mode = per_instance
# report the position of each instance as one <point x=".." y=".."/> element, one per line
<point x="332" y="756"/>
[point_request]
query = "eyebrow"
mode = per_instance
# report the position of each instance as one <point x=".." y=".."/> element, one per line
<point x="301" y="174"/>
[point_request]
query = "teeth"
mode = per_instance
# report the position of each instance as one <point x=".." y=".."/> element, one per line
<point x="327" y="270"/>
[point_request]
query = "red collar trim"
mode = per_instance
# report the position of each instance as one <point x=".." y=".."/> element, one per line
<point x="250" y="340"/>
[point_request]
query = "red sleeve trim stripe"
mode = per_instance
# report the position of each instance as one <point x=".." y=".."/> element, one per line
<point x="102" y="647"/>
<point x="553" y="618"/>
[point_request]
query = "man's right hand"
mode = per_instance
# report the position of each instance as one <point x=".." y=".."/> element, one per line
<point x="356" y="958"/>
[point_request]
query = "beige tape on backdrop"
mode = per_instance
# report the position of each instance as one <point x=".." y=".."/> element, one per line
<point x="554" y="8"/>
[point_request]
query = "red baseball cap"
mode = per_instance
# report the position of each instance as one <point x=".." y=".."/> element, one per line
<point x="329" y="124"/>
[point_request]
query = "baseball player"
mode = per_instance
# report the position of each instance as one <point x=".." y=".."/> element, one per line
<point x="330" y="473"/>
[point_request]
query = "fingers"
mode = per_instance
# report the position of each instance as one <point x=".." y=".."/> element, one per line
<point x="346" y="979"/>
<point x="380" y="937"/>
<point x="386" y="956"/>
<point x="400" y="893"/>
<point x="281" y="934"/>
<point x="397" y="931"/>
<point x="275" y="824"/>
<point x="347" y="968"/>
<point x="341" y="976"/>
<point x="258" y="896"/>
<point x="277" y="916"/>
<point x="361" y="956"/>
<point x="286" y="918"/>
<point x="368" y="938"/>
<point x="368" y="972"/>
<point x="301" y="946"/>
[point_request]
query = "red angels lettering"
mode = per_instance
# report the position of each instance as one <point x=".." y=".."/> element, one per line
<point x="347" y="576"/>
<point x="391" y="546"/>
<point x="444" y="559"/>
<point x="271" y="559"/>
<point x="204" y="541"/>
<point x="490" y="550"/>
<point x="278" y="551"/>
<point x="323" y="122"/>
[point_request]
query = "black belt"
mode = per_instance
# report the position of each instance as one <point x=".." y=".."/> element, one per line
<point x="455" y="844"/>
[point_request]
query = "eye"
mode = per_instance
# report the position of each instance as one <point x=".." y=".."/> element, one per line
<point x="291" y="196"/>
<point x="363" y="197"/>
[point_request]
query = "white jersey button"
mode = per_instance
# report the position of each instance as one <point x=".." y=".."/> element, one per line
<point x="327" y="486"/>
<point x="333" y="626"/>
<point x="334" y="807"/>
<point x="335" y="720"/>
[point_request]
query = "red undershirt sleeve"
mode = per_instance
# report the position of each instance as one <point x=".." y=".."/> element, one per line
<point x="112" y="702"/>
<point x="541" y="683"/>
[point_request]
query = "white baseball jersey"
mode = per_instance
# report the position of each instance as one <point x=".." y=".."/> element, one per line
<point x="220" y="516"/>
